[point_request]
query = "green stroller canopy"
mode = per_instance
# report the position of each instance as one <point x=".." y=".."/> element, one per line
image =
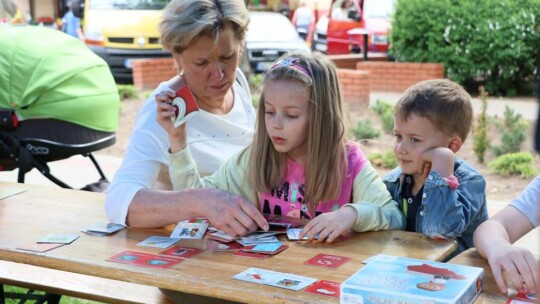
<point x="45" y="73"/>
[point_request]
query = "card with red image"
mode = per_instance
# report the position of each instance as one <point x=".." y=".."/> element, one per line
<point x="522" y="298"/>
<point x="325" y="288"/>
<point x="256" y="255"/>
<point x="327" y="260"/>
<point x="144" y="259"/>
<point x="181" y="252"/>
<point x="184" y="105"/>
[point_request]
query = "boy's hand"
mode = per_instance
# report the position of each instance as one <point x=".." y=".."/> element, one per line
<point x="439" y="159"/>
<point x="165" y="111"/>
<point x="329" y="226"/>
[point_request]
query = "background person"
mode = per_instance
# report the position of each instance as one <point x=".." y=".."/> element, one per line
<point x="304" y="21"/>
<point x="441" y="195"/>
<point x="300" y="163"/>
<point x="342" y="12"/>
<point x="71" y="24"/>
<point x="205" y="38"/>
<point x="9" y="13"/>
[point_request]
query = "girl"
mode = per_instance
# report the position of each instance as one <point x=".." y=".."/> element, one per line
<point x="300" y="163"/>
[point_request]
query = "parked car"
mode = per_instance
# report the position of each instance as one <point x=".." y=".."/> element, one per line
<point x="269" y="36"/>
<point x="334" y="37"/>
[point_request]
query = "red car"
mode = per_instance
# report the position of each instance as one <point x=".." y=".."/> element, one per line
<point x="343" y="28"/>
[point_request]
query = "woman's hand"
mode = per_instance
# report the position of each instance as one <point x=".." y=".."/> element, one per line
<point x="165" y="113"/>
<point x="329" y="226"/>
<point x="520" y="266"/>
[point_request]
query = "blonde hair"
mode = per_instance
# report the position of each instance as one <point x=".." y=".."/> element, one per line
<point x="184" y="21"/>
<point x="326" y="161"/>
<point x="443" y="102"/>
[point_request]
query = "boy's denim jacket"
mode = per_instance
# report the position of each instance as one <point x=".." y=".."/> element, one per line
<point x="447" y="213"/>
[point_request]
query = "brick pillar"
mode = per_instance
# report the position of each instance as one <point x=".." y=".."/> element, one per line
<point x="398" y="76"/>
<point x="355" y="87"/>
<point x="148" y="73"/>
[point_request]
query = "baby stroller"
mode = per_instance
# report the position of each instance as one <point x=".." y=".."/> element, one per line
<point x="57" y="99"/>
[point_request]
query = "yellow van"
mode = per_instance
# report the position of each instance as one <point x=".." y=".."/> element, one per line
<point x="122" y="30"/>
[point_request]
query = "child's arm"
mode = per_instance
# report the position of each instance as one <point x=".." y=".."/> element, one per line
<point x="373" y="209"/>
<point x="493" y="240"/>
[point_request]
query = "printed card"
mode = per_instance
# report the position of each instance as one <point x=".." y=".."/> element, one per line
<point x="158" y="242"/>
<point x="327" y="260"/>
<point x="325" y="288"/>
<point x="256" y="275"/>
<point x="106" y="227"/>
<point x="181" y="252"/>
<point x="294" y="234"/>
<point x="39" y="247"/>
<point x="270" y="248"/>
<point x="255" y="255"/>
<point x="291" y="281"/>
<point x="59" y="238"/>
<point x="144" y="259"/>
<point x="189" y="230"/>
<point x="184" y="105"/>
<point x="212" y="245"/>
<point x="522" y="298"/>
<point x="221" y="236"/>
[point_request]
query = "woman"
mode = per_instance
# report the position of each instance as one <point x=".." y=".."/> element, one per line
<point x="206" y="39"/>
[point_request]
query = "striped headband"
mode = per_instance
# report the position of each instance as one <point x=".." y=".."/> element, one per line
<point x="291" y="62"/>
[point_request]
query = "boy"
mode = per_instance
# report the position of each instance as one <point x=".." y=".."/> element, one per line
<point x="440" y="195"/>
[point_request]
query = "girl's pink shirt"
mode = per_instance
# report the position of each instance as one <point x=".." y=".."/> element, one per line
<point x="287" y="198"/>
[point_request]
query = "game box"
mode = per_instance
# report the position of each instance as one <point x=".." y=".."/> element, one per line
<point x="397" y="280"/>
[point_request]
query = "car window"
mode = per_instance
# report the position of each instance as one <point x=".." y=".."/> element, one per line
<point x="270" y="27"/>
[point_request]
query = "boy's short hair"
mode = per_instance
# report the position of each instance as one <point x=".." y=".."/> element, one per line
<point x="443" y="102"/>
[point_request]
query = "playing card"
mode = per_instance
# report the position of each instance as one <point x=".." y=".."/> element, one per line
<point x="189" y="230"/>
<point x="255" y="255"/>
<point x="270" y="248"/>
<point x="221" y="236"/>
<point x="325" y="288"/>
<point x="181" y="252"/>
<point x="144" y="259"/>
<point x="255" y="275"/>
<point x="212" y="245"/>
<point x="106" y="227"/>
<point x="59" y="238"/>
<point x="158" y="242"/>
<point x="327" y="260"/>
<point x="39" y="247"/>
<point x="294" y="234"/>
<point x="290" y="281"/>
<point x="522" y="298"/>
<point x="184" y="105"/>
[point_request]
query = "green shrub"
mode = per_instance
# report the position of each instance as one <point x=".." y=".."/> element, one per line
<point x="364" y="130"/>
<point x="514" y="163"/>
<point x="127" y="91"/>
<point x="493" y="42"/>
<point x="385" y="111"/>
<point x="513" y="133"/>
<point x="385" y="160"/>
<point x="481" y="143"/>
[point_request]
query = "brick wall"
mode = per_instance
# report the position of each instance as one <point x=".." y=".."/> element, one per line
<point x="349" y="61"/>
<point x="355" y="87"/>
<point x="398" y="76"/>
<point x="148" y="73"/>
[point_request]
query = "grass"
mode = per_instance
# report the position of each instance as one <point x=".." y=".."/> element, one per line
<point x="63" y="299"/>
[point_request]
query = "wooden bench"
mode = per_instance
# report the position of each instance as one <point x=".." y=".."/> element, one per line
<point x="78" y="285"/>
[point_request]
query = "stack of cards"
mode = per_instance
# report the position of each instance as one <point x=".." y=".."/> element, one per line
<point x="294" y="234"/>
<point x="262" y="251"/>
<point x="49" y="242"/>
<point x="274" y="278"/>
<point x="103" y="229"/>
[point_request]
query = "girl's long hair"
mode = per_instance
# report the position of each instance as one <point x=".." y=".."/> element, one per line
<point x="326" y="161"/>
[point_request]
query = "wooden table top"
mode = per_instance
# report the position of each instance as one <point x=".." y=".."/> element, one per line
<point x="28" y="216"/>
<point x="491" y="293"/>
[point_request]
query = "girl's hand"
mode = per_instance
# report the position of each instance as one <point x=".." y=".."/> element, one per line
<point x="520" y="266"/>
<point x="329" y="226"/>
<point x="165" y="112"/>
